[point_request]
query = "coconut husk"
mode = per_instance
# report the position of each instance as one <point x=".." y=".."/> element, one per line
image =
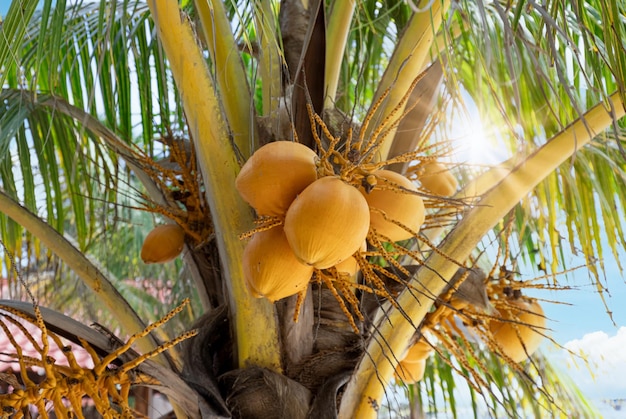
<point x="332" y="329"/>
<point x="308" y="80"/>
<point x="325" y="404"/>
<point x="296" y="337"/>
<point x="260" y="393"/>
<point x="294" y="22"/>
<point x="337" y="348"/>
<point x="472" y="289"/>
<point x="205" y="358"/>
<point x="317" y="369"/>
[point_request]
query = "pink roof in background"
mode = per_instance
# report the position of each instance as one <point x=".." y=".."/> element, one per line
<point x="28" y="348"/>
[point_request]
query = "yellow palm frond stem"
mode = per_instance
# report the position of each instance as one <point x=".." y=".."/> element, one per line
<point x="392" y="330"/>
<point x="229" y="74"/>
<point x="339" y="20"/>
<point x="270" y="58"/>
<point x="253" y="320"/>
<point x="470" y="193"/>
<point x="407" y="62"/>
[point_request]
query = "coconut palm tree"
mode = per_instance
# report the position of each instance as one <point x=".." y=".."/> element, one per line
<point x="114" y="110"/>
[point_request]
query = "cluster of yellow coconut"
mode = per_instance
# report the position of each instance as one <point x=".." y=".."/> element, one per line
<point x="325" y="219"/>
<point x="517" y="335"/>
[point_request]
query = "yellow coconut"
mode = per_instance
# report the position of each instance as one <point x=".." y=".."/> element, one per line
<point x="524" y="316"/>
<point x="410" y="372"/>
<point x="418" y="352"/>
<point x="437" y="179"/>
<point x="274" y="175"/>
<point x="327" y="222"/>
<point x="350" y="266"/>
<point x="271" y="269"/>
<point x="405" y="208"/>
<point x="163" y="244"/>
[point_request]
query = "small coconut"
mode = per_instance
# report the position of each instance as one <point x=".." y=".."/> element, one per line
<point x="405" y="208"/>
<point x="525" y="318"/>
<point x="437" y="179"/>
<point x="273" y="176"/>
<point x="270" y="267"/>
<point x="327" y="222"/>
<point x="418" y="352"/>
<point x="410" y="372"/>
<point x="163" y="243"/>
<point x="350" y="266"/>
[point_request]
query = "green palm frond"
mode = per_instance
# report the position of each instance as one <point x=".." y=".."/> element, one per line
<point x="52" y="157"/>
<point x="598" y="168"/>
<point x="79" y="54"/>
<point x="13" y="30"/>
<point x="443" y="392"/>
<point x="86" y="57"/>
<point x="545" y="52"/>
<point x="93" y="275"/>
<point x="531" y="70"/>
<point x="375" y="28"/>
<point x="82" y="90"/>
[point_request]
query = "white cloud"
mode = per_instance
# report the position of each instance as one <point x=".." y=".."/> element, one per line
<point x="600" y="365"/>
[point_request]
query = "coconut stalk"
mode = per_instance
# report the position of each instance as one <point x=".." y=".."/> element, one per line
<point x="229" y="74"/>
<point x="86" y="120"/>
<point x="393" y="329"/>
<point x="253" y="321"/>
<point x="407" y="62"/>
<point x="338" y="29"/>
<point x="270" y="57"/>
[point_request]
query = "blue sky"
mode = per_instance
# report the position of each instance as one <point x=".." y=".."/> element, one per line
<point x="585" y="328"/>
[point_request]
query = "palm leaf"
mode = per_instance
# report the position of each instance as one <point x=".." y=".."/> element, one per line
<point x="12" y="32"/>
